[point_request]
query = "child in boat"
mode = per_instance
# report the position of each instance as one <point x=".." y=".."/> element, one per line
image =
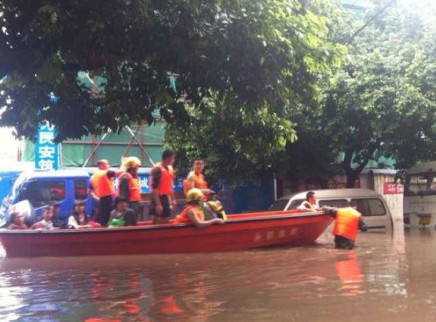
<point x="121" y="215"/>
<point x="78" y="217"/>
<point x="45" y="223"/>
<point x="192" y="212"/>
<point x="17" y="221"/>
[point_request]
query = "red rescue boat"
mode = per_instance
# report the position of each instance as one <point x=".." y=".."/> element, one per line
<point x="240" y="232"/>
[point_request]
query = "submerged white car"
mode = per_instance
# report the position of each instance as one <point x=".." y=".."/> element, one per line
<point x="371" y="205"/>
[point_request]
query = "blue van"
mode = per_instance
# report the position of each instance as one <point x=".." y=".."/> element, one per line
<point x="41" y="188"/>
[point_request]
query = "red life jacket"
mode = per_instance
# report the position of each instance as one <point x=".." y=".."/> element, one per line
<point x="165" y="186"/>
<point x="134" y="187"/>
<point x="347" y="223"/>
<point x="101" y="184"/>
<point x="183" y="216"/>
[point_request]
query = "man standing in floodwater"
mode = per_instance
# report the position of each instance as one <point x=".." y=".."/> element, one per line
<point x="347" y="221"/>
<point x="161" y="182"/>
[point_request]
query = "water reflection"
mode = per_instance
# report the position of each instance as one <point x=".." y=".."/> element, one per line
<point x="349" y="274"/>
<point x="388" y="277"/>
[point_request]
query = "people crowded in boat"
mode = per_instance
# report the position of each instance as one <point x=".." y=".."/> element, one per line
<point x="78" y="218"/>
<point x="202" y="209"/>
<point x="193" y="213"/>
<point x="121" y="215"/>
<point x="17" y="221"/>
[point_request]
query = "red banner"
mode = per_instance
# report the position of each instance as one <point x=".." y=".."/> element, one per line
<point x="390" y="188"/>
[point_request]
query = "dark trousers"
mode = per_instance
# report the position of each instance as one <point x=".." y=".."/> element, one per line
<point x="343" y="243"/>
<point x="135" y="206"/>
<point x="105" y="206"/>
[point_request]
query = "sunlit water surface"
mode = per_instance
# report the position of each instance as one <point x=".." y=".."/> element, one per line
<point x="389" y="277"/>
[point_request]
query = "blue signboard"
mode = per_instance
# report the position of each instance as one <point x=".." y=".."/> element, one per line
<point x="46" y="150"/>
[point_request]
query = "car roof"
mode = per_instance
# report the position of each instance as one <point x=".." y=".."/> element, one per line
<point x="334" y="193"/>
<point x="422" y="167"/>
<point x="54" y="174"/>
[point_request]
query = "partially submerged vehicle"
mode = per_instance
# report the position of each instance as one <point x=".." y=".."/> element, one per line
<point x="369" y="203"/>
<point x="420" y="195"/>
<point x="42" y="188"/>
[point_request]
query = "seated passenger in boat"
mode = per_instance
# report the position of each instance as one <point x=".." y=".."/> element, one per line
<point x="121" y="215"/>
<point x="78" y="217"/>
<point x="310" y="203"/>
<point x="192" y="212"/>
<point x="45" y="223"/>
<point x="17" y="221"/>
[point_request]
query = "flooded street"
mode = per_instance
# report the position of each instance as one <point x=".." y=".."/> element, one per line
<point x="389" y="277"/>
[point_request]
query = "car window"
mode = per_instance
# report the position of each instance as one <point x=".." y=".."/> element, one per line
<point x="80" y="189"/>
<point x="41" y="193"/>
<point x="376" y="207"/>
<point x="362" y="206"/>
<point x="370" y="207"/>
<point x="339" y="203"/>
<point x="295" y="203"/>
<point x="279" y="205"/>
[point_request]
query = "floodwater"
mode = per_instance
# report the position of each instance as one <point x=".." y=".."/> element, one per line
<point x="389" y="277"/>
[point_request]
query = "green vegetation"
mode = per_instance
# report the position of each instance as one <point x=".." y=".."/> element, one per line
<point x="381" y="102"/>
<point x="266" y="84"/>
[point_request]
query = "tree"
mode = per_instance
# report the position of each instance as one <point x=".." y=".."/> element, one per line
<point x="381" y="102"/>
<point x="254" y="56"/>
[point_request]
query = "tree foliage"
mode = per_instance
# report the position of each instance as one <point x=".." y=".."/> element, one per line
<point x="248" y="55"/>
<point x="381" y="101"/>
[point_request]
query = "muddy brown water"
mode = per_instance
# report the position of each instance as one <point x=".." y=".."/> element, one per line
<point x="389" y="277"/>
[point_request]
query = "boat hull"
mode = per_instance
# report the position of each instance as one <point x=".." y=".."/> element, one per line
<point x="240" y="232"/>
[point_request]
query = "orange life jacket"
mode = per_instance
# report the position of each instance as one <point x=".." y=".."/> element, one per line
<point x="199" y="182"/>
<point x="347" y="223"/>
<point x="134" y="187"/>
<point x="183" y="216"/>
<point x="166" y="180"/>
<point x="101" y="184"/>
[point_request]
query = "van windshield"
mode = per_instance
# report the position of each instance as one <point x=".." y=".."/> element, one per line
<point x="41" y="193"/>
<point x="420" y="184"/>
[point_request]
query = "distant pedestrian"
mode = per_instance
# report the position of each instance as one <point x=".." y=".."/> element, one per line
<point x="102" y="191"/>
<point x="162" y="195"/>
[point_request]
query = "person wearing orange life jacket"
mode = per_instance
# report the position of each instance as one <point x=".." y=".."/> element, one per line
<point x="196" y="179"/>
<point x="101" y="189"/>
<point x="347" y="221"/>
<point x="161" y="183"/>
<point x="129" y="186"/>
<point x="310" y="203"/>
<point x="192" y="212"/>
